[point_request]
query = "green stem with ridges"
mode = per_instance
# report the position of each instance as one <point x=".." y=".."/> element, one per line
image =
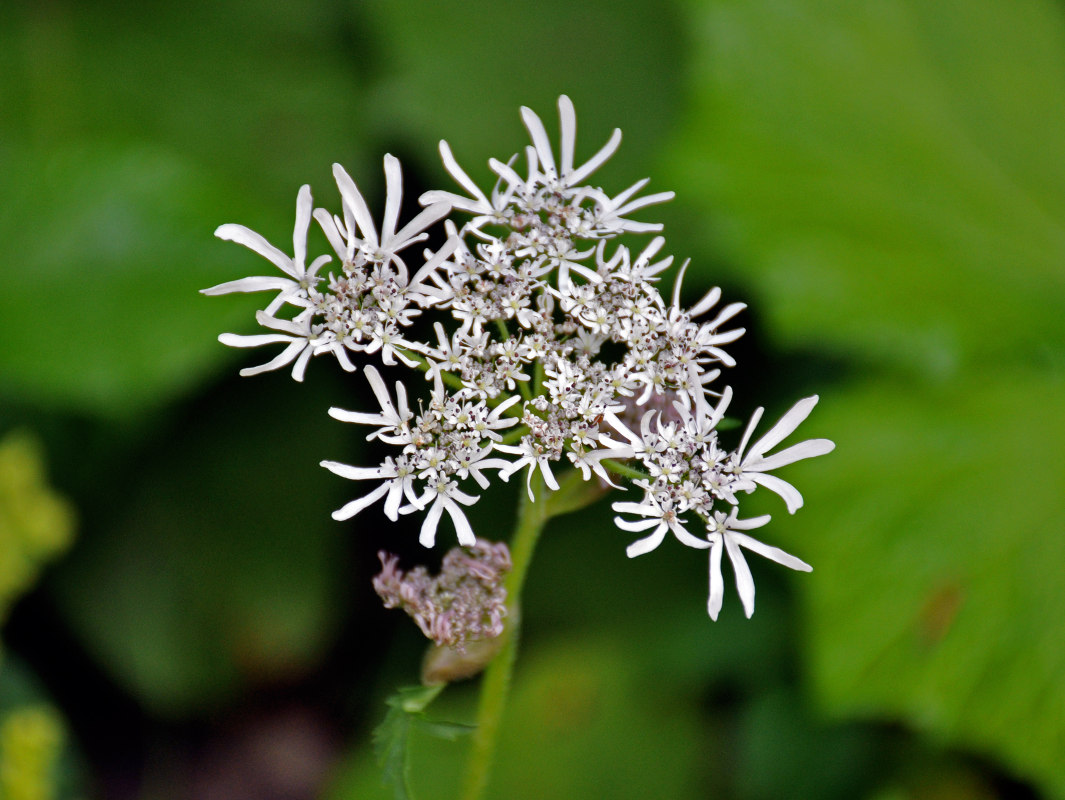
<point x="495" y="685"/>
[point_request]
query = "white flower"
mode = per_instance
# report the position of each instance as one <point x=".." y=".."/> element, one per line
<point x="359" y="231"/>
<point x="609" y="212"/>
<point x="660" y="515"/>
<point x="750" y="469"/>
<point x="486" y="210"/>
<point x="301" y="279"/>
<point x="589" y="461"/>
<point x="532" y="456"/>
<point x="565" y="176"/>
<point x="399" y="483"/>
<point x="297" y="333"/>
<point x="393" y="423"/>
<point x="446" y="496"/>
<point x="724" y="533"/>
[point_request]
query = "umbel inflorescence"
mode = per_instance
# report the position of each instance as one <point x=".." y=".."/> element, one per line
<point x="552" y="348"/>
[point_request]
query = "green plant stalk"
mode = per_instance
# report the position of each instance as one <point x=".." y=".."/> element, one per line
<point x="495" y="685"/>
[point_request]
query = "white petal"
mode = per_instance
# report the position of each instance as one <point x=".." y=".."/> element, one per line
<point x="357" y="473"/>
<point x="393" y="196"/>
<point x="746" y="524"/>
<point x="625" y="507"/>
<point x="568" y="124"/>
<point x="744" y="579"/>
<point x="395" y="495"/>
<point x="505" y="172"/>
<point x="282" y="358"/>
<point x="299" y="233"/>
<point x="791" y="496"/>
<point x="355" y="506"/>
<point x="540" y="140"/>
<point x="435" y="261"/>
<point x="708" y="301"/>
<point x="807" y="449"/>
<point x="380" y="391"/>
<point x="300" y="367"/>
<point x="688" y="539"/>
<point x="425" y="218"/>
<point x="253" y="340"/>
<point x="359" y="417"/>
<point x="772" y="553"/>
<point x="717" y="583"/>
<point x="462" y="525"/>
<point x="788" y="423"/>
<point x="355" y="205"/>
<point x="648" y="544"/>
<point x="637" y="525"/>
<point x="596" y="161"/>
<point x="427" y="537"/>
<point x="727" y="313"/>
<point x="256" y="243"/>
<point x="549" y="477"/>
<point x="460" y="176"/>
<point x="258" y="284"/>
<point x="642" y="202"/>
<point x="328" y="224"/>
<point x="755" y="417"/>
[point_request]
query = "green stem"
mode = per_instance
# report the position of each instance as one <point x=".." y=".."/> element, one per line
<point x="495" y="685"/>
<point x="624" y="470"/>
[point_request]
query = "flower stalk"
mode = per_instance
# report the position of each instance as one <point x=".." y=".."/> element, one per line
<point x="495" y="684"/>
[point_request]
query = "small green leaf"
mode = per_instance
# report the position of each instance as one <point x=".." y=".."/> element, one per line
<point x="391" y="739"/>
<point x="390" y="742"/>
<point x="414" y="699"/>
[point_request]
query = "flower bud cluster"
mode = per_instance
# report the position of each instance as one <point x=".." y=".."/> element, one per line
<point x="553" y="348"/>
<point x="466" y="602"/>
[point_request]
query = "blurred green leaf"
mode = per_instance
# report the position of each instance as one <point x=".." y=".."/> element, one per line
<point x="891" y="177"/>
<point x="127" y="247"/>
<point x="38" y="759"/>
<point x="464" y="69"/>
<point x="36" y="523"/>
<point x="937" y="546"/>
<point x="129" y="134"/>
<point x="218" y="566"/>
<point x="890" y="174"/>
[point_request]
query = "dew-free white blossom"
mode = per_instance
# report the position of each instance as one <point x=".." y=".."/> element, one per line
<point x="532" y="340"/>
<point x="752" y="468"/>
<point x="726" y="533"/>
<point x="302" y="278"/>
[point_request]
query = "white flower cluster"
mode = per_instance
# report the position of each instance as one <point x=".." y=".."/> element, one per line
<point x="553" y="347"/>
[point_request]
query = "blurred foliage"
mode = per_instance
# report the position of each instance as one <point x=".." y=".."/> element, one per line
<point x="140" y="129"/>
<point x="883" y="181"/>
<point x="220" y="567"/>
<point x="617" y="59"/>
<point x="30" y="739"/>
<point x="890" y="177"/>
<point x="36" y="524"/>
